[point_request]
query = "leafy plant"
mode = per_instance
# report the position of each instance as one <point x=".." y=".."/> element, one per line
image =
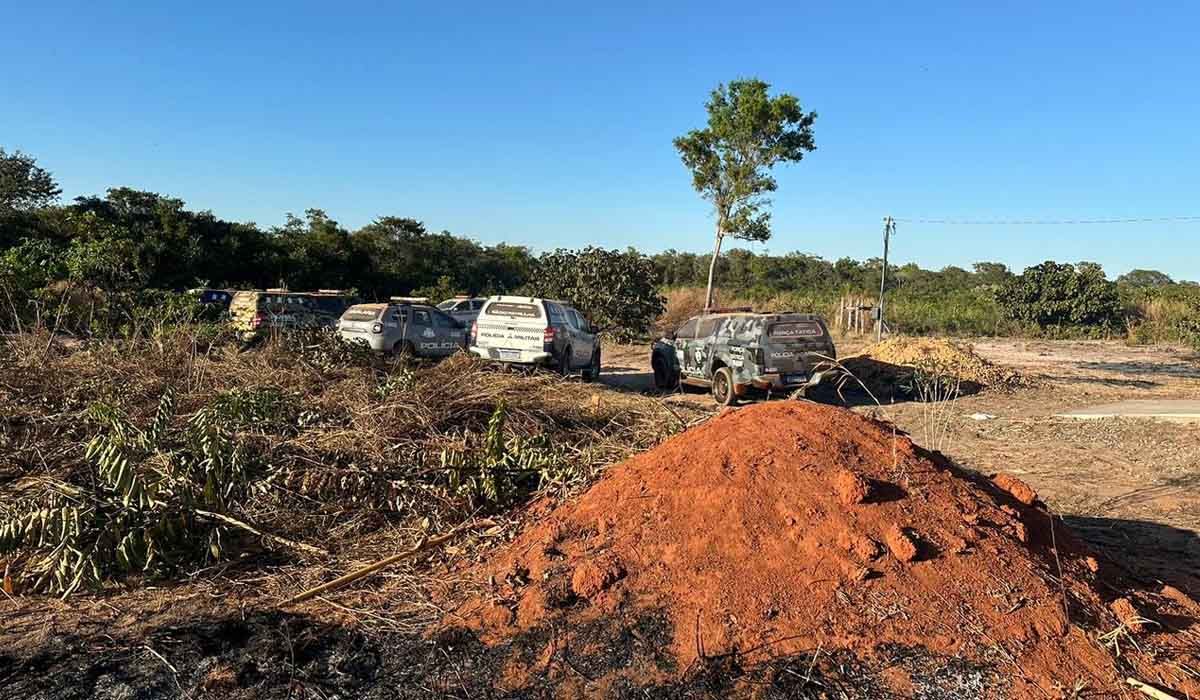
<point x="615" y="290"/>
<point x="263" y="408"/>
<point x="145" y="507"/>
<point x="1054" y="295"/>
<point x="502" y="467"/>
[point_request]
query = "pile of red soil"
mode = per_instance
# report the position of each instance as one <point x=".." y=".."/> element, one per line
<point x="790" y="528"/>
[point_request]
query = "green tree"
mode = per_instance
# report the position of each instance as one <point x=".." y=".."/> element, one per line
<point x="1055" y="294"/>
<point x="615" y="289"/>
<point x="23" y="185"/>
<point x="992" y="273"/>
<point x="1145" y="278"/>
<point x="748" y="133"/>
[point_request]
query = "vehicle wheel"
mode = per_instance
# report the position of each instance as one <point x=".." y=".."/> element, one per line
<point x="592" y="373"/>
<point x="564" y="363"/>
<point x="722" y="387"/>
<point x="663" y="378"/>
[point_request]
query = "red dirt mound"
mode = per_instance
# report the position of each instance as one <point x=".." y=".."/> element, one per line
<point x="789" y="529"/>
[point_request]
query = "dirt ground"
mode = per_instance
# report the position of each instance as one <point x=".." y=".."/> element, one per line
<point x="1130" y="486"/>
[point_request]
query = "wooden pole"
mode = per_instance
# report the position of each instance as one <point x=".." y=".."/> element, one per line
<point x="353" y="576"/>
<point x="889" y="227"/>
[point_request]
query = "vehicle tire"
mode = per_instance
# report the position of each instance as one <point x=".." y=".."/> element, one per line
<point x="564" y="362"/>
<point x="664" y="379"/>
<point x="722" y="387"/>
<point x="592" y="372"/>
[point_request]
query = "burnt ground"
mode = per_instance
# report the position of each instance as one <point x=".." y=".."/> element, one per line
<point x="280" y="655"/>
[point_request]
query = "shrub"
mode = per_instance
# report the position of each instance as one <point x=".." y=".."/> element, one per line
<point x="615" y="290"/>
<point x="1056" y="295"/>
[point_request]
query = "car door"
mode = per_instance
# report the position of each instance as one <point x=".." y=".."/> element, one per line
<point x="685" y="336"/>
<point x="695" y="352"/>
<point x="586" y="343"/>
<point x="450" y="334"/>
<point x="421" y="332"/>
<point x="564" y="335"/>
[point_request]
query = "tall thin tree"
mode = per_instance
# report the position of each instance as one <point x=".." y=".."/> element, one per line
<point x="748" y="133"/>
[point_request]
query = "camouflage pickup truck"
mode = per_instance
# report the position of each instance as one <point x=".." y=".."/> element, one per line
<point x="738" y="352"/>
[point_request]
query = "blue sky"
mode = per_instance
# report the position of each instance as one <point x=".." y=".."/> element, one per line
<point x="550" y="125"/>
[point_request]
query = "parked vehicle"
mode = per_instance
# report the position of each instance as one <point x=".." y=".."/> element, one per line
<point x="216" y="297"/>
<point x="403" y="327"/>
<point x="737" y="352"/>
<point x="253" y="313"/>
<point x="532" y="331"/>
<point x="333" y="302"/>
<point x="463" y="309"/>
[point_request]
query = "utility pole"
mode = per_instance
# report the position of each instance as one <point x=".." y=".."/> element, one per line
<point x="889" y="228"/>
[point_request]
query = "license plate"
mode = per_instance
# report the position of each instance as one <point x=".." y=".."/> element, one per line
<point x="794" y="378"/>
<point x="510" y="355"/>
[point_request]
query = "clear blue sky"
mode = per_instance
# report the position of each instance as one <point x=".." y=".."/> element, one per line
<point x="550" y="126"/>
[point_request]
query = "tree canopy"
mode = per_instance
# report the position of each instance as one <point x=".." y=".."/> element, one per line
<point x="23" y="185"/>
<point x="748" y="133"/>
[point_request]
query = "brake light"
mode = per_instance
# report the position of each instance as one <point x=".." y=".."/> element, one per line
<point x="258" y="320"/>
<point x="474" y="332"/>
<point x="548" y="335"/>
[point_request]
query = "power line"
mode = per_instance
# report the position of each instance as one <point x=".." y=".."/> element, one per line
<point x="1047" y="222"/>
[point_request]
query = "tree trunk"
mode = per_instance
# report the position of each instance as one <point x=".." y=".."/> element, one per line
<point x="712" y="267"/>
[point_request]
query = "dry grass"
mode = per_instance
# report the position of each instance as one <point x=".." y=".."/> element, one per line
<point x="351" y="448"/>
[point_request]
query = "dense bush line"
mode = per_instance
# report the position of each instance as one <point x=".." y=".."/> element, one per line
<point x="87" y="266"/>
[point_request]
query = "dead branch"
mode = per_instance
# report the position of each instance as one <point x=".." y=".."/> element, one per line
<point x="308" y="548"/>
<point x="1149" y="690"/>
<point x="353" y="576"/>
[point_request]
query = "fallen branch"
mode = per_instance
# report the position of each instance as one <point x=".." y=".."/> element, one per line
<point x="1149" y="690"/>
<point x="353" y="576"/>
<point x="265" y="535"/>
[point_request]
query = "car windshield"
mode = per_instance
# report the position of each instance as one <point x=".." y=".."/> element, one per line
<point x="447" y="305"/>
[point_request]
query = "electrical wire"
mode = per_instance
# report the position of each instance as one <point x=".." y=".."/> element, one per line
<point x="1046" y="222"/>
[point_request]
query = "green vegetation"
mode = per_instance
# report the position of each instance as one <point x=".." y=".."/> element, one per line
<point x="615" y="290"/>
<point x="117" y="265"/>
<point x="146" y="502"/>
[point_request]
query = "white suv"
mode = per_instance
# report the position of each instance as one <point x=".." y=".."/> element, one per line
<point x="532" y="331"/>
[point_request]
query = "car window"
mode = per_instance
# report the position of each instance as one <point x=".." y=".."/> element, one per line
<point x="707" y="325"/>
<point x="795" y="329"/>
<point x="556" y="314"/>
<point x="477" y="304"/>
<point x="512" y="310"/>
<point x="442" y="321"/>
<point x="448" y="304"/>
<point x="361" y="315"/>
<point x="577" y="320"/>
<point x="687" y="330"/>
<point x="420" y="317"/>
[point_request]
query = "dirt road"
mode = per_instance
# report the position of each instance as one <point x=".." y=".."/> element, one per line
<point x="1131" y="486"/>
